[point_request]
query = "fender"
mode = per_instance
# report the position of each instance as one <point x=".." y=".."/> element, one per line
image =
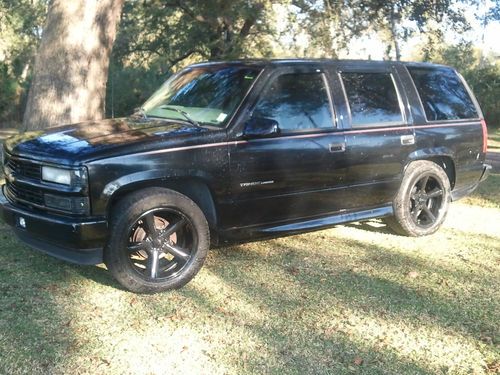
<point x="192" y="183"/>
<point x="443" y="156"/>
<point x="428" y="153"/>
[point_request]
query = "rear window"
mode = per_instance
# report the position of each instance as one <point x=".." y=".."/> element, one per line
<point x="443" y="94"/>
<point x="372" y="98"/>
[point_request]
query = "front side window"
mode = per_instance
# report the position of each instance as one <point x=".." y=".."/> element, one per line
<point x="207" y="95"/>
<point x="372" y="98"/>
<point x="297" y="101"/>
<point x="443" y="94"/>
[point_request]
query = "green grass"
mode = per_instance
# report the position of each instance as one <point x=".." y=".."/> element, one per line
<point x="351" y="300"/>
<point x="494" y="140"/>
<point x="354" y="299"/>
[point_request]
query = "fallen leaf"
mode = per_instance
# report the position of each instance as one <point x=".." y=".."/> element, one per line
<point x="294" y="271"/>
<point x="493" y="367"/>
<point x="358" y="361"/>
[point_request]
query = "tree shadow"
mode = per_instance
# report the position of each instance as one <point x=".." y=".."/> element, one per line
<point x="32" y="338"/>
<point x="292" y="290"/>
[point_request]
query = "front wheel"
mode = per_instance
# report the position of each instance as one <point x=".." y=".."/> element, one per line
<point x="422" y="202"/>
<point x="159" y="241"/>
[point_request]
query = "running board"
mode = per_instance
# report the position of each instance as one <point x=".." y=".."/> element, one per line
<point x="278" y="230"/>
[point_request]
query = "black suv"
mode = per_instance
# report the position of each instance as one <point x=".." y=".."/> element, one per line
<point x="236" y="151"/>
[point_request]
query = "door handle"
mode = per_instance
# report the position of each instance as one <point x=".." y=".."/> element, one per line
<point x="336" y="147"/>
<point x="407" y="140"/>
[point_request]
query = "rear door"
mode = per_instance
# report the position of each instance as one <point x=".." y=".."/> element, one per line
<point x="379" y="138"/>
<point x="291" y="175"/>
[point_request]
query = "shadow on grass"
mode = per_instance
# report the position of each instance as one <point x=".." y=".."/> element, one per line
<point x="293" y="293"/>
<point x="32" y="338"/>
<point x="319" y="285"/>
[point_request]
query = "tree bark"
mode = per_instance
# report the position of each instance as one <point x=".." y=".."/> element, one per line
<point x="71" y="66"/>
<point x="394" y="34"/>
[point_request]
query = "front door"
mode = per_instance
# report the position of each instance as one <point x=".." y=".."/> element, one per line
<point x="293" y="174"/>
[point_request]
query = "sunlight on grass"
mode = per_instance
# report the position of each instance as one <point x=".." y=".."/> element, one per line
<point x="353" y="299"/>
<point x="487" y="194"/>
<point x="494" y="140"/>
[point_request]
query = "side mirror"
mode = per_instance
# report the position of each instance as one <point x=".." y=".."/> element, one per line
<point x="261" y="127"/>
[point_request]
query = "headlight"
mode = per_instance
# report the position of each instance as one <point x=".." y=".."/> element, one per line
<point x="56" y="175"/>
<point x="70" y="177"/>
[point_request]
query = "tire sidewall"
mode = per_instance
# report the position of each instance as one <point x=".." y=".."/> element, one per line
<point x="414" y="173"/>
<point x="127" y="212"/>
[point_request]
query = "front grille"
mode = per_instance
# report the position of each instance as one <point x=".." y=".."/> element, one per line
<point x="25" y="195"/>
<point x="24" y="168"/>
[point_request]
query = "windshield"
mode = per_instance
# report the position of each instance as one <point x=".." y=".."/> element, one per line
<point x="204" y="95"/>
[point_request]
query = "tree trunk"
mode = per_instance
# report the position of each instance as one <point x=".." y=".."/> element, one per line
<point x="394" y="34"/>
<point x="71" y="66"/>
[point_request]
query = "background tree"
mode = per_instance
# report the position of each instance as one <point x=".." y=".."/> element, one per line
<point x="21" y="23"/>
<point x="71" y="67"/>
<point x="157" y="37"/>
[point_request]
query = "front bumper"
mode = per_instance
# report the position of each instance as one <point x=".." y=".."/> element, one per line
<point x="75" y="240"/>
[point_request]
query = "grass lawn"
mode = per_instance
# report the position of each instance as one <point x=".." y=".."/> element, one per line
<point x="351" y="300"/>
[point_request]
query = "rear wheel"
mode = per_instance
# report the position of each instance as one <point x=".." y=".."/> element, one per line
<point x="422" y="201"/>
<point x="159" y="241"/>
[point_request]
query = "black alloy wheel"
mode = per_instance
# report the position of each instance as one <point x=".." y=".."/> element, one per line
<point x="161" y="243"/>
<point x="426" y="200"/>
<point x="159" y="240"/>
<point x="422" y="201"/>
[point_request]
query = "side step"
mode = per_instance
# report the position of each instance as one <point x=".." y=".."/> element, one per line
<point x="281" y="229"/>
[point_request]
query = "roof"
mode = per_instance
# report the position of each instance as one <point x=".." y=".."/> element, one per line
<point x="298" y="61"/>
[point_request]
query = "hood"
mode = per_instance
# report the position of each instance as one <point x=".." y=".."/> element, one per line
<point x="71" y="144"/>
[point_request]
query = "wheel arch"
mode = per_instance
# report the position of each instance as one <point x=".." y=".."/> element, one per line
<point x="440" y="156"/>
<point x="195" y="188"/>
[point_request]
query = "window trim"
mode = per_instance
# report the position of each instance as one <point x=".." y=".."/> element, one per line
<point x="404" y="120"/>
<point x="301" y="71"/>
<point x="467" y="89"/>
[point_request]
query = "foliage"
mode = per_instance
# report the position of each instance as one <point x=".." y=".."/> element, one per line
<point x="158" y="37"/>
<point x="482" y="75"/>
<point x="21" y="23"/>
<point x="129" y="86"/>
<point x="332" y="24"/>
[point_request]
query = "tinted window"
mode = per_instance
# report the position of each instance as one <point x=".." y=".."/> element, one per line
<point x="296" y="101"/>
<point x="372" y="98"/>
<point x="205" y="94"/>
<point x="443" y="94"/>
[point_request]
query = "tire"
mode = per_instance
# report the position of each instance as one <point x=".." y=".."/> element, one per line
<point x="422" y="202"/>
<point x="159" y="240"/>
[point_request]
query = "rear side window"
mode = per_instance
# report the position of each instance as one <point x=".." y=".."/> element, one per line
<point x="443" y="94"/>
<point x="297" y="102"/>
<point x="372" y="98"/>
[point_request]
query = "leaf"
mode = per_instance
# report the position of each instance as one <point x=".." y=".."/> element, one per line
<point x="358" y="361"/>
<point x="413" y="274"/>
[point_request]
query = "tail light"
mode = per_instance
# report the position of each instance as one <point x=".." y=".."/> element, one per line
<point x="485" y="135"/>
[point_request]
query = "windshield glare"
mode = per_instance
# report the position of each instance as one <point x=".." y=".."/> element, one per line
<point x="207" y="95"/>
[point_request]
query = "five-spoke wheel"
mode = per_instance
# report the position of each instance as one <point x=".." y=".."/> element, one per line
<point x="159" y="240"/>
<point x="422" y="201"/>
<point x="426" y="199"/>
<point x="161" y="243"/>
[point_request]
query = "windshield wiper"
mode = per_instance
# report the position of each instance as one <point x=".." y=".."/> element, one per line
<point x="183" y="113"/>
<point x="142" y="112"/>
